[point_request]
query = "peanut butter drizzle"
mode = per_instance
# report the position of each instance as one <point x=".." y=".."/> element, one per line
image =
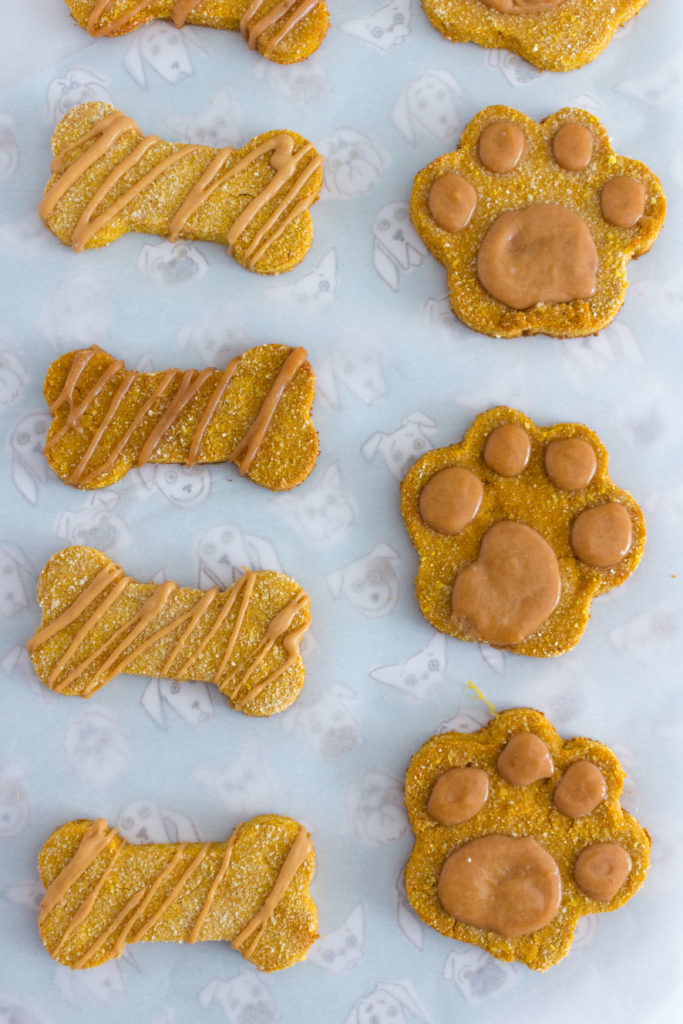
<point x="298" y="852"/>
<point x="180" y="11"/>
<point x="252" y="29"/>
<point x="191" y="383"/>
<point x="123" y="648"/>
<point x="94" y="841"/>
<point x="251" y="442"/>
<point x="213" y="888"/>
<point x="111" y="127"/>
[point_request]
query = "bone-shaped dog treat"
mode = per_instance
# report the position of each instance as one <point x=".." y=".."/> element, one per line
<point x="97" y="622"/>
<point x="284" y="31"/>
<point x="108" y="419"/>
<point x="252" y="891"/>
<point x="107" y="179"/>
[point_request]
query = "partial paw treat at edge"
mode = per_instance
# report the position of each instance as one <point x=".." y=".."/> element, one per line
<point x="515" y="875"/>
<point x="535" y="223"/>
<point x="516" y="561"/>
<point x="555" y="35"/>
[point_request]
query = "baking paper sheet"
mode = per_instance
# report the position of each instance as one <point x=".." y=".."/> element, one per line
<point x="397" y="375"/>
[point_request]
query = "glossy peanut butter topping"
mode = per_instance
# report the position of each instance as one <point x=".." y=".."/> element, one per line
<point x="570" y="462"/>
<point x="543" y="253"/>
<point x="501" y="146"/>
<point x="511" y="589"/>
<point x="225" y="164"/>
<point x="525" y="759"/>
<point x="99" y="24"/>
<point x="503" y="884"/>
<point x="601" y="870"/>
<point x="602" y="535"/>
<point x="290" y="12"/>
<point x="129" y="619"/>
<point x="451" y="499"/>
<point x="452" y="201"/>
<point x="523" y="6"/>
<point x="112" y="859"/>
<point x="573" y="146"/>
<point x="580" y="790"/>
<point x="507" y="449"/>
<point x="623" y="201"/>
<point x="458" y="795"/>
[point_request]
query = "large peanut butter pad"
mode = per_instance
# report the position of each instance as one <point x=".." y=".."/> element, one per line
<point x="107" y="178"/>
<point x="255" y="412"/>
<point x="284" y="31"/>
<point x="103" y="893"/>
<point x="555" y="35"/>
<point x="536" y="222"/>
<point x="98" y="622"/>
<point x="518" y="565"/>
<point x="511" y="865"/>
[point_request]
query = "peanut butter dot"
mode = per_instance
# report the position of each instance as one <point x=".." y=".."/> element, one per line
<point x="458" y="795"/>
<point x="524" y="759"/>
<point x="504" y="884"/>
<point x="570" y="462"/>
<point x="580" y="790"/>
<point x="451" y="499"/>
<point x="602" y="535"/>
<point x="573" y="146"/>
<point x="523" y="6"/>
<point x="507" y="449"/>
<point x="623" y="201"/>
<point x="501" y="146"/>
<point x="544" y="253"/>
<point x="451" y="202"/>
<point x="510" y="590"/>
<point x="601" y="870"/>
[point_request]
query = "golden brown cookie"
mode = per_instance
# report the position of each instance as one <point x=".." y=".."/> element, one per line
<point x="555" y="35"/>
<point x="517" y="529"/>
<point x="517" y="835"/>
<point x="107" y="179"/>
<point x="97" y="622"/>
<point x="535" y="223"/>
<point x="284" y="31"/>
<point x="255" y="412"/>
<point x="103" y="893"/>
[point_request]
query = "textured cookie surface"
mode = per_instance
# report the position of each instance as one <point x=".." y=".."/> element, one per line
<point x="519" y="833"/>
<point x="556" y="35"/>
<point x="517" y="529"/>
<point x="284" y="31"/>
<point x="107" y="179"/>
<point x="256" y="412"/>
<point x="103" y="893"/>
<point x="535" y="223"/>
<point x="97" y="622"/>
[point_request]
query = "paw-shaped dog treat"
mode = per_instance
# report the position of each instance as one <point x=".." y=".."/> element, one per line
<point x="107" y="179"/>
<point x="517" y="529"/>
<point x="255" y="413"/>
<point x="252" y="891"/>
<point x="555" y="35"/>
<point x="284" y="31"/>
<point x="517" y="834"/>
<point x="535" y="223"/>
<point x="98" y="622"/>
